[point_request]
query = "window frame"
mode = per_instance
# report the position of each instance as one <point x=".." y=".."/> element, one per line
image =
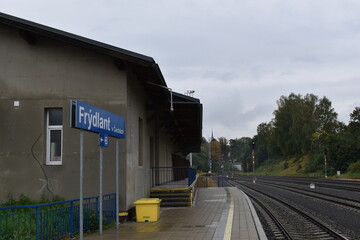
<point x="50" y="128"/>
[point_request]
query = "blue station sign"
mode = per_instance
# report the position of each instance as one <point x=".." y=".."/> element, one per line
<point x="87" y="117"/>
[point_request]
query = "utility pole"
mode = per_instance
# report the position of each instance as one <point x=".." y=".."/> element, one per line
<point x="232" y="168"/>
<point x="210" y="161"/>
<point x="253" y="160"/>
<point x="210" y="155"/>
<point x="325" y="155"/>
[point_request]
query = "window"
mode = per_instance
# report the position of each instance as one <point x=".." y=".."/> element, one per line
<point x="54" y="136"/>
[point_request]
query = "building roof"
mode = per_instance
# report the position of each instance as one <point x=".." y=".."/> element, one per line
<point x="181" y="116"/>
<point x="29" y="30"/>
<point x="187" y="121"/>
<point x="184" y="123"/>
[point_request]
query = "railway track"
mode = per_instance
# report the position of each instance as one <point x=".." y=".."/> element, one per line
<point x="351" y="204"/>
<point x="353" y="186"/>
<point x="285" y="220"/>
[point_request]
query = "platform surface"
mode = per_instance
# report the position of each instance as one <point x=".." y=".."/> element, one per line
<point x="218" y="214"/>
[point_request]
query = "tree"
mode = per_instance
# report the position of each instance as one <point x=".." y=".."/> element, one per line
<point x="224" y="147"/>
<point x="325" y="115"/>
<point x="342" y="151"/>
<point x="288" y="124"/>
<point x="240" y="151"/>
<point x="201" y="159"/>
<point x="355" y="115"/>
<point x="264" y="142"/>
<point x="298" y="118"/>
<point x="341" y="141"/>
<point x="215" y="150"/>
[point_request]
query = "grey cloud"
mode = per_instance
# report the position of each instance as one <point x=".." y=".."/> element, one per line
<point x="239" y="56"/>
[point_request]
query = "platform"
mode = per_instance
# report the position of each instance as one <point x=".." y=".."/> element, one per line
<point x="218" y="214"/>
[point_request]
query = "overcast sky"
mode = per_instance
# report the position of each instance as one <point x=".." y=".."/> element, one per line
<point x="239" y="56"/>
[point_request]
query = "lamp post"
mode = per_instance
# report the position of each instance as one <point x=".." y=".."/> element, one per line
<point x="190" y="158"/>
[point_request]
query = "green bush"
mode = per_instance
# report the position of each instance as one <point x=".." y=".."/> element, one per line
<point x="24" y="200"/>
<point x="53" y="220"/>
<point x="286" y="165"/>
<point x="91" y="219"/>
<point x="354" y="167"/>
<point x="315" y="163"/>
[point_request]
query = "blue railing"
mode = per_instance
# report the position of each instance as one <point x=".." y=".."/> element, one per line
<point x="54" y="220"/>
<point x="173" y="176"/>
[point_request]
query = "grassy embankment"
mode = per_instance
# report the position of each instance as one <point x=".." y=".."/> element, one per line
<point x="294" y="167"/>
<point x="205" y="180"/>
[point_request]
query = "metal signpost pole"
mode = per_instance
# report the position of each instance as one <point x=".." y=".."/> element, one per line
<point x="83" y="116"/>
<point x="100" y="194"/>
<point x="117" y="184"/>
<point x="103" y="142"/>
<point x="81" y="184"/>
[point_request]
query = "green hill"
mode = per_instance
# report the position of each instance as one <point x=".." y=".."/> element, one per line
<point x="301" y="166"/>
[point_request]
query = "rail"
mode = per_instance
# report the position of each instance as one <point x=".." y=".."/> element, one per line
<point x="173" y="176"/>
<point x="295" y="224"/>
<point x="54" y="220"/>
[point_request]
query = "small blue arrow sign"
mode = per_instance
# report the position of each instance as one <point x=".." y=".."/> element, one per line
<point x="103" y="140"/>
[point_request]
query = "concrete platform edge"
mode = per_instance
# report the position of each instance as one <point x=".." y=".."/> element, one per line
<point x="259" y="228"/>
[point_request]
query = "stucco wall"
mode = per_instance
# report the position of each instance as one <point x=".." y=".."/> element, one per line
<point x="137" y="184"/>
<point x="49" y="74"/>
<point x="139" y="177"/>
<point x="166" y="150"/>
<point x="46" y="75"/>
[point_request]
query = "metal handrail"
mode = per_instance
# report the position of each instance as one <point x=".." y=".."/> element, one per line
<point x="177" y="175"/>
<point x="54" y="220"/>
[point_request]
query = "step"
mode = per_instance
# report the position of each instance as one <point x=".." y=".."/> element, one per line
<point x="161" y="195"/>
<point x="176" y="204"/>
<point x="175" y="200"/>
<point x="173" y="197"/>
<point x="186" y="189"/>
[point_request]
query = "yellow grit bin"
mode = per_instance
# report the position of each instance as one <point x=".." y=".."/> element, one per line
<point x="147" y="209"/>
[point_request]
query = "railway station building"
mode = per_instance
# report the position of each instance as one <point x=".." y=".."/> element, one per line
<point x="42" y="70"/>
